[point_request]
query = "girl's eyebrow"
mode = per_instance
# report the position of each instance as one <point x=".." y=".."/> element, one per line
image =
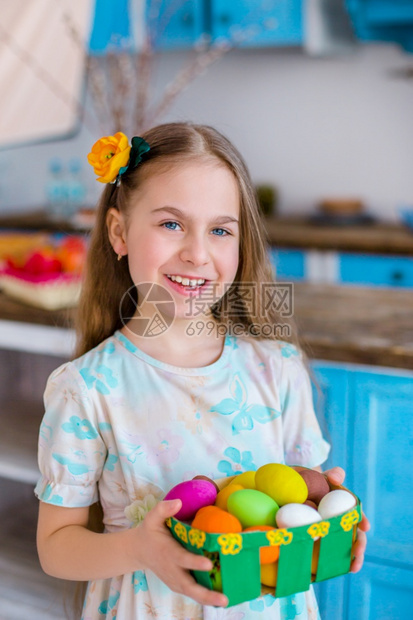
<point x="223" y="219"/>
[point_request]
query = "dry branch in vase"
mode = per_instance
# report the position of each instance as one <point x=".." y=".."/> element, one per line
<point x="120" y="81"/>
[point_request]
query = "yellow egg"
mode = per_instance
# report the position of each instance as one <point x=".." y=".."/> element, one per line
<point x="222" y="497"/>
<point x="269" y="574"/>
<point x="282" y="483"/>
<point x="247" y="479"/>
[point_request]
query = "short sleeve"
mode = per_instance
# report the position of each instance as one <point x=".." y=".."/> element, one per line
<point x="71" y="452"/>
<point x="303" y="441"/>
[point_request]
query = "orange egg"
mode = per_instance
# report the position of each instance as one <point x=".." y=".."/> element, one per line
<point x="269" y="574"/>
<point x="216" y="521"/>
<point x="222" y="497"/>
<point x="267" y="554"/>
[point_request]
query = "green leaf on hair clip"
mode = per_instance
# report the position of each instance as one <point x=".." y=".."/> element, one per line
<point x="139" y="148"/>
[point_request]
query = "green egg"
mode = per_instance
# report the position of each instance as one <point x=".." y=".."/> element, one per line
<point x="252" y="507"/>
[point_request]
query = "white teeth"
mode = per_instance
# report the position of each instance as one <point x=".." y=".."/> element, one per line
<point x="187" y="281"/>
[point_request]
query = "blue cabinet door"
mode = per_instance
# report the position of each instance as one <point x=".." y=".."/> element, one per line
<point x="331" y="392"/>
<point x="331" y="395"/>
<point x="376" y="270"/>
<point x="382" y="449"/>
<point x="111" y="27"/>
<point x="168" y="24"/>
<point x="288" y="264"/>
<point x="381" y="592"/>
<point x="175" y="25"/>
<point x="368" y="415"/>
<point x="383" y="20"/>
<point x="382" y="13"/>
<point x="258" y="22"/>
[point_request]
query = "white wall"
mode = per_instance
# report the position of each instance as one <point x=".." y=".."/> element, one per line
<point x="314" y="127"/>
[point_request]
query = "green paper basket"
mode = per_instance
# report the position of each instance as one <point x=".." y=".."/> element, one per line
<point x="237" y="556"/>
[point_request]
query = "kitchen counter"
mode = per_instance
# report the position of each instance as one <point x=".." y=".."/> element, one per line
<point x="377" y="237"/>
<point x="356" y="324"/>
<point x="297" y="231"/>
<point x="338" y="323"/>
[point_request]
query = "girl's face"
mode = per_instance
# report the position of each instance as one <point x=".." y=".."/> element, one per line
<point x="182" y="232"/>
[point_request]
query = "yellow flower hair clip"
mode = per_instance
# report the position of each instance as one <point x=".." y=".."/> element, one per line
<point x="112" y="156"/>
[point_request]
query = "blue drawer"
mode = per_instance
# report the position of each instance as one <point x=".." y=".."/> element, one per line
<point x="288" y="264"/>
<point x="376" y="270"/>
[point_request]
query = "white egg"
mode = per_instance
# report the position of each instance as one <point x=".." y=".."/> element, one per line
<point x="335" y="503"/>
<point x="294" y="515"/>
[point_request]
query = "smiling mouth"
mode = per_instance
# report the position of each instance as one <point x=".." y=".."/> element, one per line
<point x="187" y="282"/>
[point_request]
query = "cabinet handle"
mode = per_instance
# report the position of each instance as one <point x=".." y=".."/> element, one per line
<point x="188" y="20"/>
<point x="397" y="276"/>
<point x="224" y="19"/>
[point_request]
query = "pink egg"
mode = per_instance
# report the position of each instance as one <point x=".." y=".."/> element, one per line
<point x="194" y="494"/>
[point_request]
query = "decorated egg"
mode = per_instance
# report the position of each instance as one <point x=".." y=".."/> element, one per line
<point x="294" y="515"/>
<point x="336" y="502"/>
<point x="222" y="497"/>
<point x="267" y="554"/>
<point x="252" y="507"/>
<point x="246" y="479"/>
<point x="317" y="484"/>
<point x="208" y="479"/>
<point x="308" y="502"/>
<point x="193" y="494"/>
<point x="216" y="521"/>
<point x="269" y="574"/>
<point x="282" y="483"/>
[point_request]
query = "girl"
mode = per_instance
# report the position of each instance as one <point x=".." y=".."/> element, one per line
<point x="162" y="389"/>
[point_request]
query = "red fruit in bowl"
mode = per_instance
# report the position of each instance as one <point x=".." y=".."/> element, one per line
<point x="42" y="261"/>
<point x="72" y="254"/>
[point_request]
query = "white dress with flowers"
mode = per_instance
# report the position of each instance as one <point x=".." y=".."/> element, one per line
<point x="122" y="426"/>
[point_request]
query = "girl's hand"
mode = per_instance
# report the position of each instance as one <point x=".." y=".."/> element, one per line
<point x="159" y="552"/>
<point x="359" y="545"/>
<point x="336" y="476"/>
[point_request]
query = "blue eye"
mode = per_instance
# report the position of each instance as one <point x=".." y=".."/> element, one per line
<point x="220" y="232"/>
<point x="171" y="225"/>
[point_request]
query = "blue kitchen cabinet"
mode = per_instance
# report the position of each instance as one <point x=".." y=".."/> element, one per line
<point x="383" y="20"/>
<point x="111" y="27"/>
<point x="331" y="400"/>
<point x="382" y="467"/>
<point x="248" y="23"/>
<point x="175" y="25"/>
<point x="368" y="414"/>
<point x="383" y="452"/>
<point x="181" y="24"/>
<point x="168" y="24"/>
<point x="331" y="392"/>
<point x="366" y="269"/>
<point x="288" y="264"/>
<point x="382" y="13"/>
<point x="381" y="592"/>
<point x="258" y="22"/>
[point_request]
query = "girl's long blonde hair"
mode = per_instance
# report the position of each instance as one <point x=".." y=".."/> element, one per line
<point x="107" y="279"/>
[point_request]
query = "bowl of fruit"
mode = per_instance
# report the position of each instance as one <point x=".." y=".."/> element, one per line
<point x="47" y="276"/>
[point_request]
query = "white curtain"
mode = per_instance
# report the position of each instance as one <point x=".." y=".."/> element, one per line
<point x="43" y="47"/>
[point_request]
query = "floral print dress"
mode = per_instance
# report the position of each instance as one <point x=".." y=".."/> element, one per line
<point x="122" y="427"/>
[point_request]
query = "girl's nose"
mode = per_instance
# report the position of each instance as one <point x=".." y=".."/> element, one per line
<point x="195" y="251"/>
